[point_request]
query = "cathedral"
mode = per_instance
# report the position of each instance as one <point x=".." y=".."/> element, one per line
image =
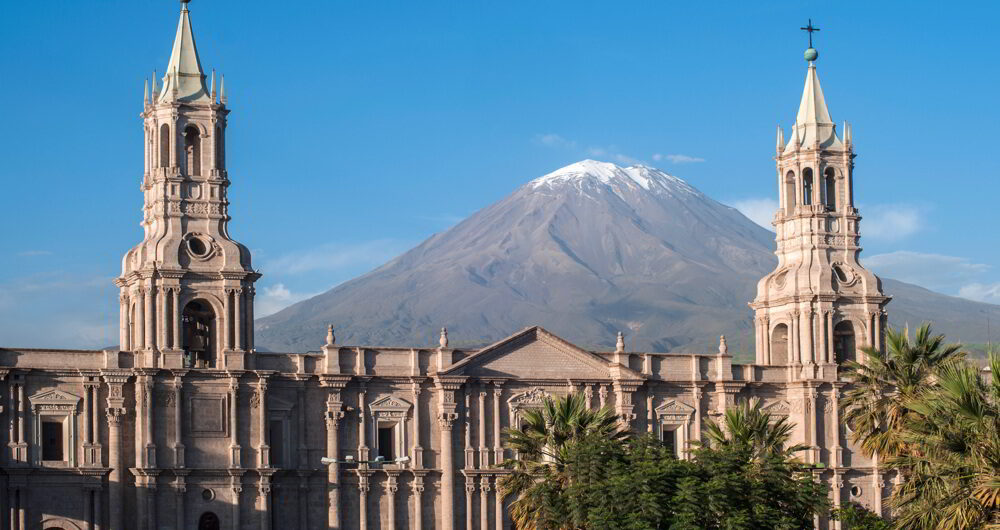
<point x="186" y="425"/>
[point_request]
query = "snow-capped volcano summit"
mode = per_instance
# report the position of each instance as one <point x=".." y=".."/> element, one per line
<point x="592" y="171"/>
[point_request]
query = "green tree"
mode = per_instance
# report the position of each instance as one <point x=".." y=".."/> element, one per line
<point x="748" y="425"/>
<point x="874" y="403"/>
<point x="542" y="444"/>
<point x="745" y="477"/>
<point x="854" y="516"/>
<point x="952" y="465"/>
<point x="622" y="486"/>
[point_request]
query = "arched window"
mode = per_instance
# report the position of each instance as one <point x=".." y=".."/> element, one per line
<point x="807" y="186"/>
<point x="220" y="151"/>
<point x="164" y="145"/>
<point x="779" y="344"/>
<point x="789" y="192"/>
<point x="192" y="151"/>
<point x="844" y="347"/>
<point x="831" y="188"/>
<point x="208" y="521"/>
<point x="198" y="335"/>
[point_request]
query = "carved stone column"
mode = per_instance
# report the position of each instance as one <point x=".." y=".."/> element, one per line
<point x="180" y="490"/>
<point x="497" y="446"/>
<point x="144" y="394"/>
<point x="417" y="490"/>
<point x="234" y="445"/>
<point x="123" y="323"/>
<point x="418" y="450"/>
<point x="177" y="400"/>
<point x="264" y="497"/>
<point x="91" y="444"/>
<point x="470" y="492"/>
<point x="236" y="483"/>
<point x="334" y="413"/>
<point x="484" y="502"/>
<point x="484" y="457"/>
<point x="150" y="326"/>
<point x="498" y="509"/>
<point x="251" y="291"/>
<point x="116" y="414"/>
<point x="837" y="456"/>
<point x="837" y="485"/>
<point x="175" y="337"/>
<point x="363" y="487"/>
<point x="260" y="403"/>
<point x="623" y="400"/>
<point x="237" y="319"/>
<point x="391" y="487"/>
<point x="362" y="422"/>
<point x="446" y="420"/>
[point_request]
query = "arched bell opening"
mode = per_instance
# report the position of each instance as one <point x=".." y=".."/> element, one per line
<point x="192" y="151"/>
<point x="779" y="344"/>
<point x="199" y="335"/>
<point x="789" y="192"/>
<point x="831" y="188"/>
<point x="844" y="345"/>
<point x="807" y="186"/>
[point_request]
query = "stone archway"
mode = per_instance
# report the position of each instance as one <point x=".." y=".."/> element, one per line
<point x="779" y="345"/>
<point x="58" y="524"/>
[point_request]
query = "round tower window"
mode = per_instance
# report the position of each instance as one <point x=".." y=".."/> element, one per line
<point x="856" y="491"/>
<point x="197" y="246"/>
<point x="207" y="495"/>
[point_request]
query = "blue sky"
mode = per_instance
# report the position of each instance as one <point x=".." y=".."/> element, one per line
<point x="360" y="128"/>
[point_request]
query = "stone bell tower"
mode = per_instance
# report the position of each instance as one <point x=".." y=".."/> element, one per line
<point x="186" y="289"/>
<point x="819" y="305"/>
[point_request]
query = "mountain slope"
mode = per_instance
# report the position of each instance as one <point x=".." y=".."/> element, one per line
<point x="585" y="251"/>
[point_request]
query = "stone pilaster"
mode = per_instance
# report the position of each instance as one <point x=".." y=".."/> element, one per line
<point x="235" y="457"/>
<point x="116" y="412"/>
<point x="447" y="415"/>
<point x="417" y="491"/>
<point x="391" y="487"/>
<point x="334" y="414"/>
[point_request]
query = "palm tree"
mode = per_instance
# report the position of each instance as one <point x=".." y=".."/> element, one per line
<point x="875" y="403"/>
<point x="749" y="425"/>
<point x="541" y="445"/>
<point x="953" y="465"/>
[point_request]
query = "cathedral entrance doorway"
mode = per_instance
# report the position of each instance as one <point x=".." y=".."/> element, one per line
<point x="198" y="334"/>
<point x="844" y="346"/>
<point x="208" y="521"/>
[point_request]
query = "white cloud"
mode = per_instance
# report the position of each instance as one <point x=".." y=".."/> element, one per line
<point x="981" y="292"/>
<point x="890" y="222"/>
<point x="760" y="210"/>
<point x="947" y="274"/>
<point x="678" y="159"/>
<point x="334" y="257"/>
<point x="554" y="140"/>
<point x="274" y="298"/>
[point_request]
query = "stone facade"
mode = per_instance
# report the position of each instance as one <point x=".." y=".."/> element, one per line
<point x="187" y="426"/>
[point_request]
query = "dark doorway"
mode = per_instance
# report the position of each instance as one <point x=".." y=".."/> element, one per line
<point x="52" y="440"/>
<point x="208" y="521"/>
<point x="198" y="321"/>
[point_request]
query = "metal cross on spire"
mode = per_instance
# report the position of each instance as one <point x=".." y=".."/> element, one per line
<point x="810" y="28"/>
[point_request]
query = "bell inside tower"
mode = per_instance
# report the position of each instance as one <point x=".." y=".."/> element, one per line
<point x="192" y="151"/>
<point x="198" y="321"/>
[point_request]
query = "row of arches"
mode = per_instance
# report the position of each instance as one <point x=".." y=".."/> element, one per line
<point x="813" y="190"/>
<point x="844" y="343"/>
<point x="190" y="158"/>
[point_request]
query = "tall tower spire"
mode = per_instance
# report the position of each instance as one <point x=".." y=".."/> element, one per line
<point x="187" y="287"/>
<point x="819" y="305"/>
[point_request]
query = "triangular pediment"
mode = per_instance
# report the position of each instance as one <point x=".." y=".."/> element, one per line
<point x="54" y="397"/>
<point x="534" y="353"/>
<point x="390" y="403"/>
<point x="778" y="408"/>
<point x="674" y="408"/>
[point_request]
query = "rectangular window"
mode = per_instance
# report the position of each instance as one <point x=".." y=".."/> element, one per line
<point x="387" y="443"/>
<point x="277" y="438"/>
<point x="52" y="440"/>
